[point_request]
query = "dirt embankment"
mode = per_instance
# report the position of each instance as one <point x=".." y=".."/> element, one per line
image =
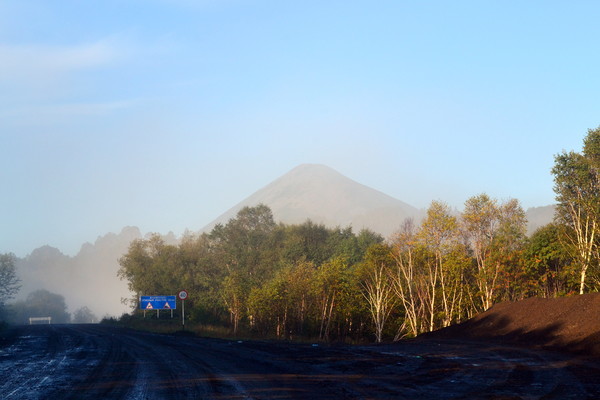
<point x="569" y="323"/>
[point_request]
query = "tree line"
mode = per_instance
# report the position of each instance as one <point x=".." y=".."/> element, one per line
<point x="39" y="303"/>
<point x="254" y="275"/>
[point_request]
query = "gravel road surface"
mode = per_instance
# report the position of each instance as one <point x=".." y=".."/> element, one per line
<point x="104" y="362"/>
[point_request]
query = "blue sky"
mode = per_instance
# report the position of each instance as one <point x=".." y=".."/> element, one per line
<point x="163" y="114"/>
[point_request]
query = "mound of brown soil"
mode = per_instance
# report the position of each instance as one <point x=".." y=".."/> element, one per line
<point x="567" y="323"/>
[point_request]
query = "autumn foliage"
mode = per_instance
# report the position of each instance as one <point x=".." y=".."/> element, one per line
<point x="254" y="275"/>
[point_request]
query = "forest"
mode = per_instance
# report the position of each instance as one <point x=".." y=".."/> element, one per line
<point x="255" y="276"/>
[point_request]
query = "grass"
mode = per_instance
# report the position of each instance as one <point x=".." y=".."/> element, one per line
<point x="173" y="326"/>
<point x="166" y="325"/>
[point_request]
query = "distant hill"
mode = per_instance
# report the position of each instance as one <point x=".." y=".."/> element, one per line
<point x="538" y="217"/>
<point x="87" y="279"/>
<point x="323" y="195"/>
<point x="309" y="191"/>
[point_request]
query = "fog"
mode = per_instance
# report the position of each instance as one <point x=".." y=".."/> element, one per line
<point x="88" y="279"/>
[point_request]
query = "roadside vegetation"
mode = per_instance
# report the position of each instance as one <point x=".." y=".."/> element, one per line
<point x="39" y="303"/>
<point x="252" y="276"/>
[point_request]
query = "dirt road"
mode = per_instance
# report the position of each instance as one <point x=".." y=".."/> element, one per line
<point x="102" y="362"/>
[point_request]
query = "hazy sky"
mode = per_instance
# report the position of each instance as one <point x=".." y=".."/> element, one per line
<point x="164" y="114"/>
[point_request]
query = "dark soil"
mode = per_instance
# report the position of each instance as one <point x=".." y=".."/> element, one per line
<point x="570" y="324"/>
<point x="497" y="355"/>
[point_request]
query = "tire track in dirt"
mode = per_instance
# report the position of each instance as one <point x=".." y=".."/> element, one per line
<point x="96" y="361"/>
<point x="35" y="362"/>
<point x="111" y="371"/>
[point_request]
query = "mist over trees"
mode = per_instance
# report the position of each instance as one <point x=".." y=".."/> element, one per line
<point x="87" y="278"/>
<point x="40" y="303"/>
<point x="290" y="280"/>
<point x="9" y="282"/>
<point x="84" y="315"/>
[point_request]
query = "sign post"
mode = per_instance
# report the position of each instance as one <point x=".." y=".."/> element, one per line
<point x="183" y="295"/>
<point x="158" y="303"/>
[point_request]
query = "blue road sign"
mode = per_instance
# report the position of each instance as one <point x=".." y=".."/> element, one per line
<point x="158" y="303"/>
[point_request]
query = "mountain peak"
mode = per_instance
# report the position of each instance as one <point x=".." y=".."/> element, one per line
<point x="323" y="195"/>
<point x="313" y="168"/>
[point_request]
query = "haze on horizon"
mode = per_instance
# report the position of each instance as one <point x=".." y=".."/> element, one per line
<point x="163" y="114"/>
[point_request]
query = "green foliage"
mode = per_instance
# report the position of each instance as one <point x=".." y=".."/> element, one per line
<point x="307" y="241"/>
<point x="9" y="282"/>
<point x="377" y="287"/>
<point x="40" y="303"/>
<point x="577" y="188"/>
<point x="252" y="276"/>
<point x="287" y="281"/>
<point x="332" y="287"/>
<point x="84" y="315"/>
<point x="496" y="233"/>
<point x="548" y="269"/>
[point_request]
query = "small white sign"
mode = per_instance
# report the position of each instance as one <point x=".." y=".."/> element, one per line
<point x="183" y="295"/>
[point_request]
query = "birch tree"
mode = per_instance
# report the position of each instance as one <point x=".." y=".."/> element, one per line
<point x="439" y="234"/>
<point x="577" y="188"/>
<point x="377" y="286"/>
<point x="480" y="219"/>
<point x="331" y="282"/>
<point x="404" y="279"/>
<point x="494" y="232"/>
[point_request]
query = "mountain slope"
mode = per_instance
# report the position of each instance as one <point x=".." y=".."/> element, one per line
<point x="309" y="191"/>
<point x="538" y="217"/>
<point x="323" y="195"/>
